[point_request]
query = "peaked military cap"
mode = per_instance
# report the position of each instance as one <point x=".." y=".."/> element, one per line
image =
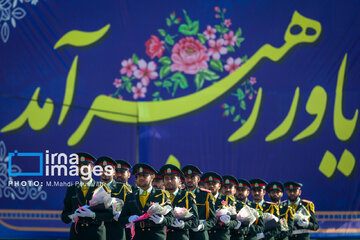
<point x="191" y="170"/>
<point x="143" y="168"/>
<point x="104" y="161"/>
<point x="258" y="183"/>
<point x="292" y="185"/>
<point x="275" y="186"/>
<point x="122" y="164"/>
<point x="243" y="184"/>
<point x="85" y="158"/>
<point x="211" y="177"/>
<point x="168" y="169"/>
<point x="228" y="179"/>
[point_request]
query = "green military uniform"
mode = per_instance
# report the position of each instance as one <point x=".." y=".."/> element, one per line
<point x="183" y="199"/>
<point x="239" y="234"/>
<point x="205" y="204"/>
<point x="86" y="227"/>
<point x="222" y="231"/>
<point x="258" y="226"/>
<point x="123" y="165"/>
<point x="287" y="213"/>
<point x="272" y="208"/>
<point x="301" y="232"/>
<point x="114" y="231"/>
<point x="146" y="229"/>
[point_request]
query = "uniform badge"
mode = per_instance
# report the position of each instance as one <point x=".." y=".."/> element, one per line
<point x="210" y="178"/>
<point x="291" y="187"/>
<point x="141" y="169"/>
<point x="227" y="181"/>
<point x="82" y="159"/>
<point x="119" y="165"/>
<point x="256" y="184"/>
<point x="275" y="186"/>
<point x="105" y="163"/>
<point x="168" y="170"/>
<point x="189" y="171"/>
<point x="240" y="185"/>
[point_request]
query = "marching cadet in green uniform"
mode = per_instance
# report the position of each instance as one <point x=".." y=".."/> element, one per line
<point x="222" y="229"/>
<point x="242" y="193"/>
<point x="86" y="224"/>
<point x="122" y="175"/>
<point x="158" y="182"/>
<point x="204" y="203"/>
<point x="138" y="202"/>
<point x="275" y="191"/>
<point x="179" y="230"/>
<point x="301" y="227"/>
<point x="258" y="192"/>
<point x="118" y="190"/>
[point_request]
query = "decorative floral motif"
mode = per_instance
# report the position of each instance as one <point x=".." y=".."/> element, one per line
<point x="9" y="13"/>
<point x="184" y="58"/>
<point x="19" y="192"/>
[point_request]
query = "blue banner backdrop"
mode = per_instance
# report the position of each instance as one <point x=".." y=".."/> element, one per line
<point x="250" y="88"/>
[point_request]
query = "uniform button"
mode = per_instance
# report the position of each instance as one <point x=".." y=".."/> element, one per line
<point x="214" y="231"/>
<point x="143" y="229"/>
<point x="148" y="229"/>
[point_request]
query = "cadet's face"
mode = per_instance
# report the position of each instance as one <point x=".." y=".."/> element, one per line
<point x="85" y="170"/>
<point x="172" y="182"/>
<point x="258" y="194"/>
<point x="122" y="175"/>
<point x="143" y="180"/>
<point x="214" y="187"/>
<point x="293" y="194"/>
<point x="229" y="189"/>
<point x="242" y="193"/>
<point x="192" y="181"/>
<point x="158" y="183"/>
<point x="275" y="195"/>
<point x="106" y="175"/>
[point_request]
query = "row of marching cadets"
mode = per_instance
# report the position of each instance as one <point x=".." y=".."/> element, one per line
<point x="175" y="203"/>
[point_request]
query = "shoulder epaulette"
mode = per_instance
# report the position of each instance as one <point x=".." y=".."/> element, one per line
<point x="307" y="201"/>
<point x="188" y="192"/>
<point x="127" y="188"/>
<point x="167" y="194"/>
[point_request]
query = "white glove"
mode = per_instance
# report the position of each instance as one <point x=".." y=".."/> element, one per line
<point x="86" y="212"/>
<point x="116" y="215"/>
<point x="73" y="217"/>
<point x="225" y="219"/>
<point x="260" y="235"/>
<point x="133" y="218"/>
<point x="238" y="225"/>
<point x="303" y="223"/>
<point x="198" y="228"/>
<point x="178" y="223"/>
<point x="157" y="219"/>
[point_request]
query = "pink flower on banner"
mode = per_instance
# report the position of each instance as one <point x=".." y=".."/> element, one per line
<point x="253" y="80"/>
<point x="189" y="56"/>
<point x="217" y="9"/>
<point x="146" y="72"/>
<point x="230" y="39"/>
<point x="216" y="48"/>
<point x="250" y="96"/>
<point x="154" y="47"/>
<point x="227" y="22"/>
<point x="117" y="82"/>
<point x="209" y="32"/>
<point x="127" y="67"/>
<point x="231" y="64"/>
<point x="138" y="91"/>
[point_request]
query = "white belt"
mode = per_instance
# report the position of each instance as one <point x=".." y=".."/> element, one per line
<point x="300" y="231"/>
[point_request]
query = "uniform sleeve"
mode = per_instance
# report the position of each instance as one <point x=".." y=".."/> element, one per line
<point x="258" y="226"/>
<point x="194" y="221"/>
<point x="212" y="220"/>
<point x="125" y="212"/>
<point x="67" y="209"/>
<point x="313" y="225"/>
<point x="105" y="215"/>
